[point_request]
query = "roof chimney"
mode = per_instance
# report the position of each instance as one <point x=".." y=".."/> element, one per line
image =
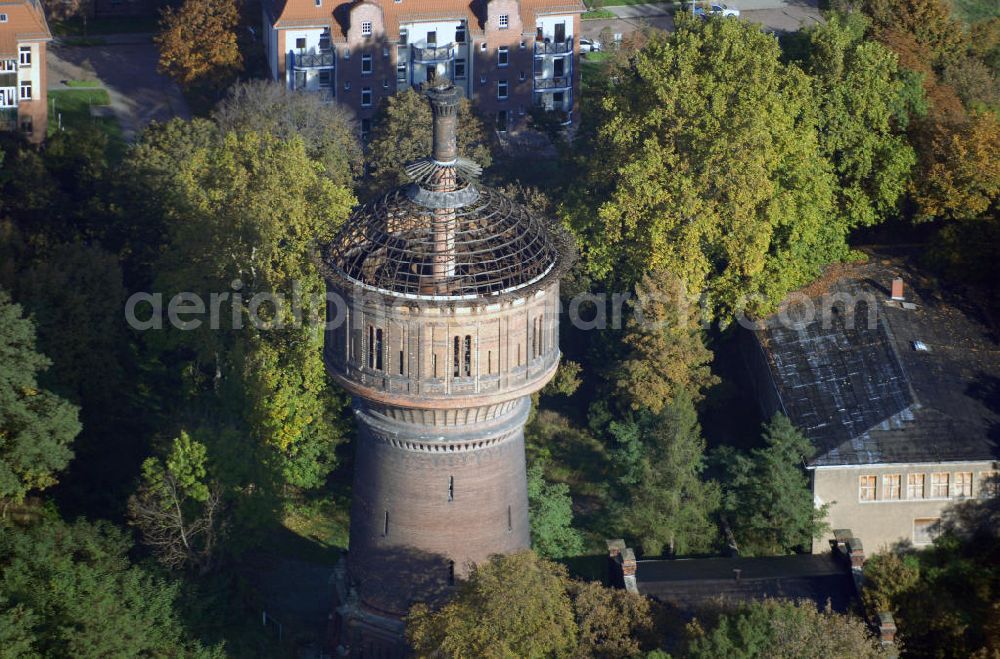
<point x="897" y="289"/>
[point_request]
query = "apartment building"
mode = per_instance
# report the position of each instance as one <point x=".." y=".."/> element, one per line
<point x="506" y="55"/>
<point x="897" y="390"/>
<point x="23" y="38"/>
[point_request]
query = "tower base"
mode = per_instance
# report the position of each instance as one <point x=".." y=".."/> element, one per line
<point x="358" y="631"/>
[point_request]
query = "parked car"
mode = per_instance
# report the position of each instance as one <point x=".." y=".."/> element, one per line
<point x="590" y="45"/>
<point x="717" y="10"/>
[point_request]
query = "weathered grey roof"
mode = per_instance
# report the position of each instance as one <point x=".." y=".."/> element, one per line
<point x="866" y="395"/>
<point x="691" y="584"/>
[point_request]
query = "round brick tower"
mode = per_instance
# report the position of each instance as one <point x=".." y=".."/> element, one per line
<point x="443" y="321"/>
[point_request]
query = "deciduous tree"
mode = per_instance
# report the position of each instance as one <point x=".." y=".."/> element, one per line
<point x="513" y="605"/>
<point x="708" y="166"/>
<point x="550" y="510"/>
<point x="36" y="426"/>
<point x="402" y="133"/>
<point x="784" y="630"/>
<point x="329" y="131"/>
<point x="612" y="622"/>
<point x="178" y="507"/>
<point x="197" y="42"/>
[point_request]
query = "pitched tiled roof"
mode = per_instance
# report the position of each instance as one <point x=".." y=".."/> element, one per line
<point x="867" y="395"/>
<point x="293" y="13"/>
<point x="25" y="22"/>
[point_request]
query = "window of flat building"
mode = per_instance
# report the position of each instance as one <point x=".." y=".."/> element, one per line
<point x="460" y="34"/>
<point x="366" y="128"/>
<point x="347" y="85"/>
<point x="432" y="37"/>
<point x="524" y="76"/>
<point x="963" y="484"/>
<point x="8" y="66"/>
<point x="501" y="90"/>
<point x="347" y="53"/>
<point x="559" y="67"/>
<point x="385" y="83"/>
<point x="891" y="486"/>
<point x="319" y="3"/>
<point x="24" y="55"/>
<point x="366" y="64"/>
<point x="325" y="78"/>
<point x="366" y="28"/>
<point x="482" y="46"/>
<point x="27" y="126"/>
<point x="989" y="484"/>
<point x="866" y="488"/>
<point x="324" y="40"/>
<point x="914" y="486"/>
<point x="924" y="530"/>
<point x="939" y="485"/>
<point x="366" y="97"/>
<point x="482" y="80"/>
<point x="300" y="43"/>
<point x="25" y="91"/>
<point x="504" y="21"/>
<point x="459" y="69"/>
<point x="404" y="34"/>
<point x="503" y="56"/>
<point x="557" y="99"/>
<point x="3" y="18"/>
<point x="401" y="73"/>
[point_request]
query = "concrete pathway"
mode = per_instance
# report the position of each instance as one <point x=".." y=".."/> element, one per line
<point x="125" y="64"/>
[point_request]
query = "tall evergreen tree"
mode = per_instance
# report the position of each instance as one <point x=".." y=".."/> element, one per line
<point x="670" y="506"/>
<point x="550" y="510"/>
<point x="767" y="500"/>
<point x="36" y="426"/>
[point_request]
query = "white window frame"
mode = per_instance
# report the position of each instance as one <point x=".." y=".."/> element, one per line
<point x="503" y="96"/>
<point x="3" y="18"/>
<point x="962" y="484"/>
<point x="503" y="57"/>
<point x="937" y="486"/>
<point x="915" y="484"/>
<point x="503" y="21"/>
<point x="24" y="55"/>
<point x="867" y="487"/>
<point x="367" y="64"/>
<point x="366" y="28"/>
<point x="889" y="487"/>
<point x="25" y="86"/>
<point x="364" y="91"/>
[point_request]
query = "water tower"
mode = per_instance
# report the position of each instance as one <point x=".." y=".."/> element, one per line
<point x="448" y="323"/>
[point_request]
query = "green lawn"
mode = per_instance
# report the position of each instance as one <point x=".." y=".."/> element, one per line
<point x="83" y="83"/>
<point x="70" y="108"/>
<point x="598" y="14"/>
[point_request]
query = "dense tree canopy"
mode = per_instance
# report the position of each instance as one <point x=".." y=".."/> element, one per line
<point x="328" y="130"/>
<point x="668" y="505"/>
<point x="784" y="630"/>
<point x="767" y="500"/>
<point x="36" y="426"/>
<point x="511" y="606"/>
<point x="402" y="133"/>
<point x="550" y="509"/>
<point x="709" y="166"/>
<point x="69" y="590"/>
<point x="198" y="42"/>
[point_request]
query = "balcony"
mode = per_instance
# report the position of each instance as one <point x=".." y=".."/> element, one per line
<point x="322" y="60"/>
<point x="553" y="48"/>
<point x="8" y="119"/>
<point x="433" y="54"/>
<point x="553" y="84"/>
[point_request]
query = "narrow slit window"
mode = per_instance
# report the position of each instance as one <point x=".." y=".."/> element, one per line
<point x="510" y="520"/>
<point x="385" y="525"/>
<point x="400" y="362"/>
<point x="468" y="355"/>
<point x="451" y="488"/>
<point x="434" y="364"/>
<point x="455" y="357"/>
<point x="378" y="349"/>
<point x="489" y="362"/>
<point x="541" y="334"/>
<point x="371" y="346"/>
<point x="451" y="573"/>
<point x="518" y="354"/>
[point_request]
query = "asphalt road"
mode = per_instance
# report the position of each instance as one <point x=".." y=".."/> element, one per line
<point x="126" y="65"/>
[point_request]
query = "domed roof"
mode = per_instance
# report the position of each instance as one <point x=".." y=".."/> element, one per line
<point x="498" y="246"/>
<point x="446" y="236"/>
